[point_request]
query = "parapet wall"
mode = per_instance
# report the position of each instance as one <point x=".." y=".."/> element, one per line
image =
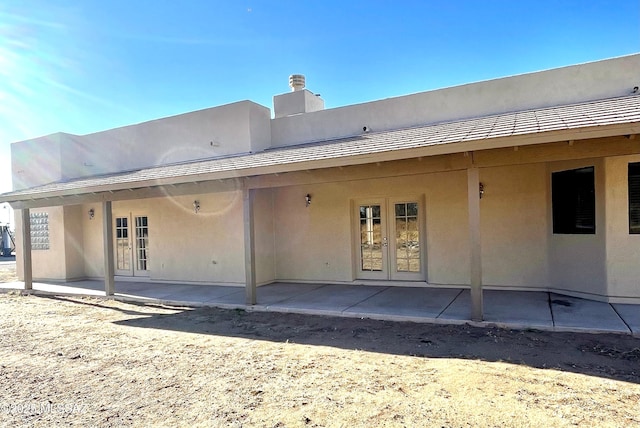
<point x="577" y="83"/>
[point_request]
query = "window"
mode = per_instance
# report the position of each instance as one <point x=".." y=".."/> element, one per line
<point x="634" y="197"/>
<point x="573" y="201"/>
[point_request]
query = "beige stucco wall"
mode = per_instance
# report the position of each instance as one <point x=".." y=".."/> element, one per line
<point x="514" y="226"/>
<point x="37" y="161"/>
<point x="239" y="127"/>
<point x="206" y="247"/>
<point x="315" y="243"/>
<point x="577" y="262"/>
<point x="513" y="214"/>
<point x="74" y="242"/>
<point x="47" y="264"/>
<point x="447" y="227"/>
<point x="622" y="248"/>
<point x="92" y="242"/>
<point x="264" y="237"/>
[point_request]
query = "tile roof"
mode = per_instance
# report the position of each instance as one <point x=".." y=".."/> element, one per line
<point x="614" y="111"/>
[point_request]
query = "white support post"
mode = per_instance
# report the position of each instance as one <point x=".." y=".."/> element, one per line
<point x="473" y="193"/>
<point x="27" y="266"/>
<point x="248" y="196"/>
<point x="107" y="236"/>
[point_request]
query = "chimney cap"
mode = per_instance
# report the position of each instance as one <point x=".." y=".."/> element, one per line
<point x="296" y="82"/>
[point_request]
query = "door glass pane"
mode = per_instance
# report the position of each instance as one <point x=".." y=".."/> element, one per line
<point x="407" y="238"/>
<point x="123" y="254"/>
<point x="412" y="209"/>
<point x="370" y="238"/>
<point x="142" y="243"/>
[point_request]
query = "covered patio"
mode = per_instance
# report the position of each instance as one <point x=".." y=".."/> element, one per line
<point x="508" y="309"/>
<point x="447" y="193"/>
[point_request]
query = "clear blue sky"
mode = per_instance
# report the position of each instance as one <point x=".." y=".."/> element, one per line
<point x="85" y="66"/>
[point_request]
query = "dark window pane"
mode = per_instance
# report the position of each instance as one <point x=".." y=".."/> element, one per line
<point x="634" y="197"/>
<point x="574" y="201"/>
<point x="401" y="210"/>
<point x="412" y="209"/>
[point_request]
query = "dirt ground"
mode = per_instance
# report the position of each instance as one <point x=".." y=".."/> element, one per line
<point x="7" y="271"/>
<point x="93" y="362"/>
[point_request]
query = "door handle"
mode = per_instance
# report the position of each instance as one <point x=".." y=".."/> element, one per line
<point x="384" y="242"/>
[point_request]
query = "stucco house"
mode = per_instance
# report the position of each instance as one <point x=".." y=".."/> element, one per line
<point x="530" y="182"/>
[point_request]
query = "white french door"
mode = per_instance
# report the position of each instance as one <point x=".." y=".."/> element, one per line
<point x="389" y="239"/>
<point x="131" y="245"/>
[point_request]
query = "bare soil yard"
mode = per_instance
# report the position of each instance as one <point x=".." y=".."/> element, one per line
<point x="7" y="271"/>
<point x="92" y="362"/>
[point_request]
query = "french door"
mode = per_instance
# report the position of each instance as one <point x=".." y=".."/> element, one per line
<point x="389" y="239"/>
<point x="132" y="245"/>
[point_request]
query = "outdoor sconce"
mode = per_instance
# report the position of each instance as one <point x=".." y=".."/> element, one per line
<point x="481" y="190"/>
<point x="196" y="206"/>
<point x="92" y="214"/>
<point x="307" y="199"/>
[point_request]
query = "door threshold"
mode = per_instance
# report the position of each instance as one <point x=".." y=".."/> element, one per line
<point x="391" y="283"/>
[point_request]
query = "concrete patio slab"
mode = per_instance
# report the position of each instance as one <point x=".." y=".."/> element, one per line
<point x="281" y="291"/>
<point x="575" y="314"/>
<point x="187" y="293"/>
<point x="235" y="298"/>
<point x="407" y="302"/>
<point x="84" y="289"/>
<point x="146" y="290"/>
<point x="509" y="309"/>
<point x="515" y="309"/>
<point x="89" y="288"/>
<point x="11" y="285"/>
<point x="128" y="287"/>
<point x="459" y="309"/>
<point x="329" y="299"/>
<point x="87" y="284"/>
<point x="202" y="293"/>
<point x="520" y="309"/>
<point x="631" y="316"/>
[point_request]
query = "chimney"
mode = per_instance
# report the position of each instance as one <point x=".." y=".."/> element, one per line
<point x="299" y="100"/>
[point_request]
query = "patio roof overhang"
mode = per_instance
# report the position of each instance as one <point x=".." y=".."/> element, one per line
<point x="588" y="120"/>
